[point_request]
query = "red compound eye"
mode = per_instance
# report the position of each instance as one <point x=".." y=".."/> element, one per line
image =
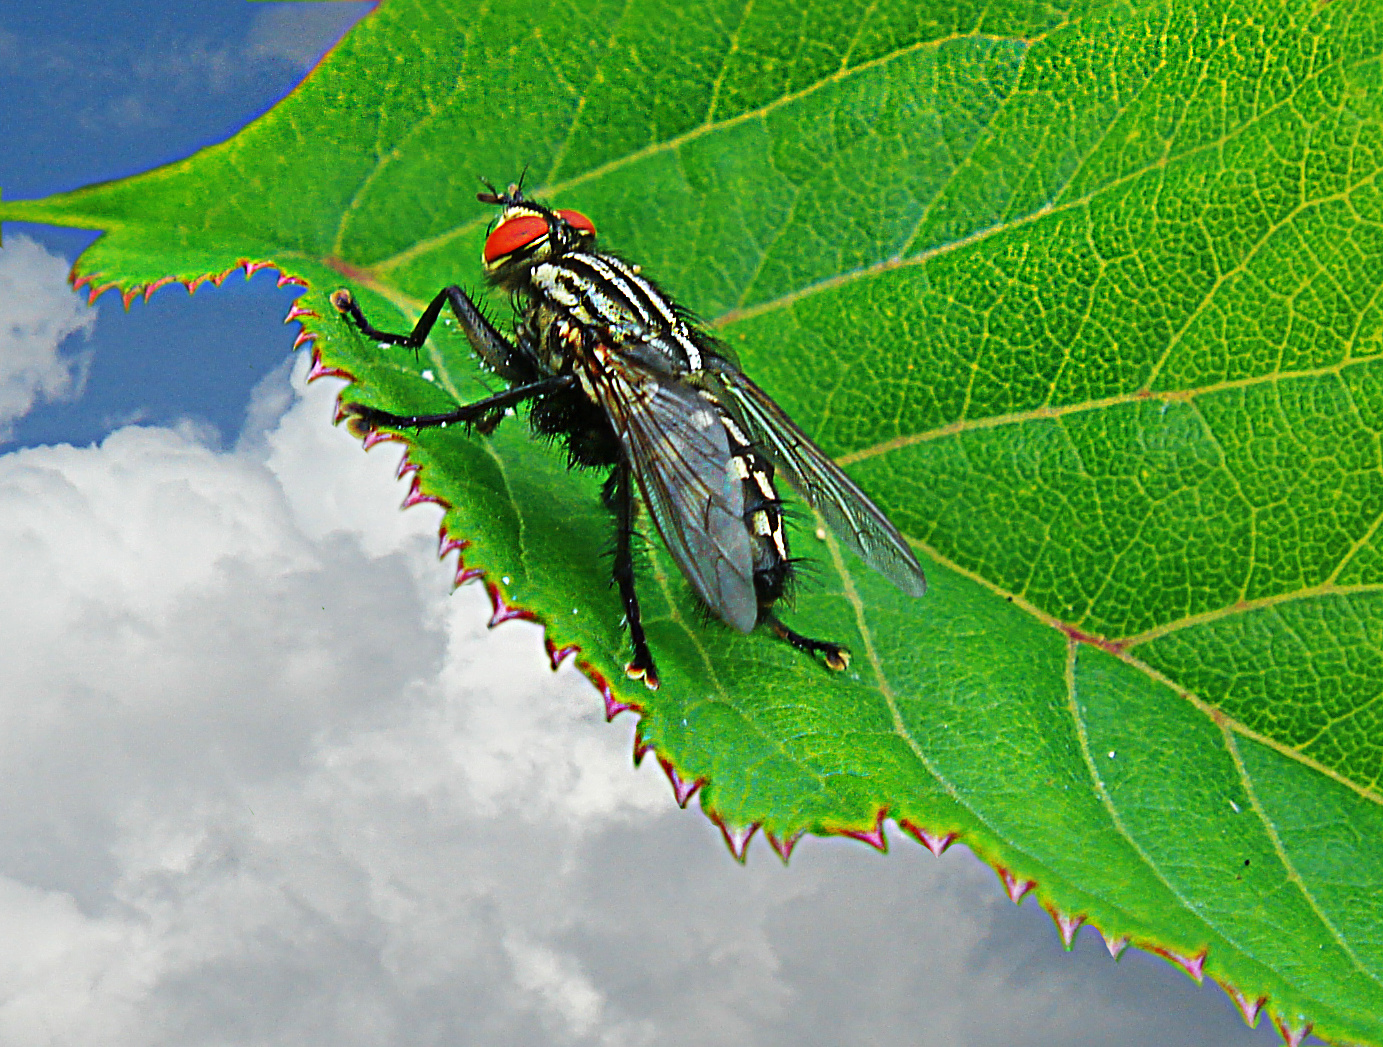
<point x="577" y="220"/>
<point x="516" y="233"/>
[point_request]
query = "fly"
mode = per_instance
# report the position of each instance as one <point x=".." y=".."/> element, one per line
<point x="622" y="374"/>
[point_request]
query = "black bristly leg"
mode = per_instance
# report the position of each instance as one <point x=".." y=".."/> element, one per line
<point x="621" y="500"/>
<point x="506" y="360"/>
<point x="835" y="656"/>
<point x="467" y="414"/>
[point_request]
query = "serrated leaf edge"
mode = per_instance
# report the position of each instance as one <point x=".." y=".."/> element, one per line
<point x="737" y="838"/>
<point x="128" y="295"/>
<point x="1292" y="1028"/>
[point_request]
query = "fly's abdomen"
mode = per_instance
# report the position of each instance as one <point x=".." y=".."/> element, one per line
<point x="763" y="517"/>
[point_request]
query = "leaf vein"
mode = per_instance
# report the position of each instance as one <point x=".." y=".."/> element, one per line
<point x="1120" y="649"/>
<point x="1292" y="874"/>
<point x="675" y="142"/>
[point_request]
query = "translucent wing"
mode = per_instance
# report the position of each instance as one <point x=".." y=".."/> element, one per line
<point x="680" y="456"/>
<point x="851" y="515"/>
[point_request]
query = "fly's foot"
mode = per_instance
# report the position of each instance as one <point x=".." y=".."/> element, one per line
<point x="642" y="668"/>
<point x="487" y="423"/>
<point x="836" y="657"/>
<point x="361" y="421"/>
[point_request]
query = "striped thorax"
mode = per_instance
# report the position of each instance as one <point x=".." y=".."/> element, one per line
<point x="607" y="295"/>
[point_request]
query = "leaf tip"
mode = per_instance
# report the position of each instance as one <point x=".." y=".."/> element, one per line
<point x="1290" y="1035"/>
<point x="374" y="437"/>
<point x="465" y="575"/>
<point x="736" y="837"/>
<point x="682" y="790"/>
<point x="874" y="837"/>
<point x="1066" y="925"/>
<point x="503" y="612"/>
<point x="783" y="845"/>
<point x="154" y="285"/>
<point x="613" y="705"/>
<point x="94" y="290"/>
<point x="417" y="496"/>
<point x="1115" y="945"/>
<point x="934" y="842"/>
<point x="1249" y="1008"/>
<point x="1193" y="964"/>
<point x="1016" y="888"/>
<point x="448" y="543"/>
<point x="641" y="745"/>
<point x="557" y="655"/>
<point x="320" y="370"/>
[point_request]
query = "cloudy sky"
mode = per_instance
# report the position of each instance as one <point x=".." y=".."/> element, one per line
<point x="265" y="780"/>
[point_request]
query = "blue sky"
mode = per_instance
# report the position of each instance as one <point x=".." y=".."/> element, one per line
<point x="86" y="98"/>
<point x="267" y="780"/>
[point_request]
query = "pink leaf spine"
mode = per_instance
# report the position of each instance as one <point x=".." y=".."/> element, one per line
<point x="417" y="497"/>
<point x="783" y="846"/>
<point x="934" y="842"/>
<point x="317" y="370"/>
<point x="502" y="611"/>
<point x="736" y="837"/>
<point x="1250" y="1009"/>
<point x="682" y="791"/>
<point x="1066" y="926"/>
<point x="874" y="837"/>
<point x="557" y="655"/>
<point x="1292" y="1037"/>
<point x="1015" y="887"/>
<point x="1194" y="966"/>
<point x="642" y="746"/>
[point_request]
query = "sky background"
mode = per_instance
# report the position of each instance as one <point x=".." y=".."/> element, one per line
<point x="265" y="780"/>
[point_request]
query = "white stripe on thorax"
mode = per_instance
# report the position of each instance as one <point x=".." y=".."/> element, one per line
<point x="622" y="277"/>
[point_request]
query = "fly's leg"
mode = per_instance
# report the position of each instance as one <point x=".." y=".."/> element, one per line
<point x="619" y="496"/>
<point x="362" y="419"/>
<point x="507" y="360"/>
<point x="835" y="656"/>
<point x="510" y="362"/>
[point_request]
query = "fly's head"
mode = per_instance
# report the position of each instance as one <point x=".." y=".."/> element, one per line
<point x="527" y="234"/>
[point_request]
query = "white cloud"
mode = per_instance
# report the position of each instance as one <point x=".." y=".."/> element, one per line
<point x="38" y="313"/>
<point x="299" y="33"/>
<point x="267" y="782"/>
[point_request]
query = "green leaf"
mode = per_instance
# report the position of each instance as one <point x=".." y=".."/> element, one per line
<point x="1087" y="298"/>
